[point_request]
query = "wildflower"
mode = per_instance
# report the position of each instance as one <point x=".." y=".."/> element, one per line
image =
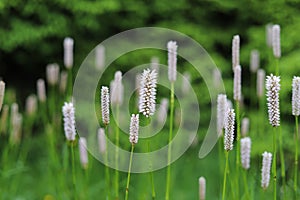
<point x="100" y="57"/>
<point x="245" y="152"/>
<point x="221" y="112"/>
<point x="105" y="104"/>
<point x="229" y="130"/>
<point x="260" y="82"/>
<point x="2" y="89"/>
<point x="31" y="105"/>
<point x="101" y="140"/>
<point x="52" y="74"/>
<point x="69" y="121"/>
<point x="134" y="129"/>
<point x="83" y="152"/>
<point x="237" y="86"/>
<point x="235" y="51"/>
<point x="245" y="126"/>
<point x="172" y="60"/>
<point x="276" y="41"/>
<point x="296" y="96"/>
<point x="41" y="90"/>
<point x="273" y="87"/>
<point x="254" y="61"/>
<point x="117" y="89"/>
<point x="202" y="188"/>
<point x="68" y="52"/>
<point x="265" y="170"/>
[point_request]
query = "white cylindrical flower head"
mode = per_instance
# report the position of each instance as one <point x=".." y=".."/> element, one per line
<point x="186" y="82"/>
<point x="100" y="57"/>
<point x="245" y="152"/>
<point x="134" y="129"/>
<point x="83" y="155"/>
<point x="276" y="41"/>
<point x="172" y="60"/>
<point x="2" y="90"/>
<point x="155" y="64"/>
<point x="229" y="104"/>
<point x="52" y="74"/>
<point x="254" y="61"/>
<point x="237" y="83"/>
<point x="162" y="111"/>
<point x="105" y="104"/>
<point x="245" y="126"/>
<point x="69" y="121"/>
<point x="101" y="140"/>
<point x="117" y="89"/>
<point x="260" y="82"/>
<point x="229" y="130"/>
<point x="147" y="96"/>
<point x="3" y="119"/>
<point x="68" y="52"/>
<point x="41" y="90"/>
<point x="202" y="188"/>
<point x="269" y="34"/>
<point x="265" y="170"/>
<point x="63" y="81"/>
<point x="221" y="113"/>
<point x="16" y="134"/>
<point x="31" y="105"/>
<point x="273" y="88"/>
<point x="296" y="96"/>
<point x="235" y="51"/>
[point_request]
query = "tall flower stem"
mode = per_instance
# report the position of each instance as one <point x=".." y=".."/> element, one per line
<point x="73" y="168"/>
<point x="246" y="184"/>
<point x="282" y="162"/>
<point x="151" y="174"/>
<point x="238" y="149"/>
<point x="296" y="156"/>
<point x="107" y="176"/>
<point x="69" y="84"/>
<point x="274" y="171"/>
<point x="225" y="175"/>
<point x="129" y="171"/>
<point x="170" y="144"/>
<point x="117" y="154"/>
<point x="277" y="66"/>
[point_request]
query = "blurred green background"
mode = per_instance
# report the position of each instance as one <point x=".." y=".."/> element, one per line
<point x="32" y="33"/>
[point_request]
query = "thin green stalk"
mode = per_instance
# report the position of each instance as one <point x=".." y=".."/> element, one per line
<point x="282" y="162"/>
<point x="246" y="185"/>
<point x="277" y="66"/>
<point x="238" y="153"/>
<point x="151" y="174"/>
<point x="69" y="84"/>
<point x="73" y="169"/>
<point x="274" y="161"/>
<point x="296" y="157"/>
<point x="225" y="175"/>
<point x="168" y="181"/>
<point x="117" y="154"/>
<point x="107" y="176"/>
<point x="129" y="171"/>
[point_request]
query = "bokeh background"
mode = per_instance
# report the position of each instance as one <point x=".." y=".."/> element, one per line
<point x="32" y="33"/>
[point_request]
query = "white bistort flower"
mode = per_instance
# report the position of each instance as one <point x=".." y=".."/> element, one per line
<point x="245" y="152"/>
<point x="260" y="82"/>
<point x="296" y="96"/>
<point x="229" y="130"/>
<point x="134" y="129"/>
<point x="52" y="73"/>
<point x="269" y="34"/>
<point x="41" y="90"/>
<point x="68" y="52"/>
<point x="117" y="89"/>
<point x="162" y="112"/>
<point x="237" y="83"/>
<point x="83" y="155"/>
<point x="2" y="89"/>
<point x="265" y="170"/>
<point x="221" y="113"/>
<point x="202" y="188"/>
<point x="273" y="88"/>
<point x="100" y="57"/>
<point x="105" y="104"/>
<point x="254" y="60"/>
<point x="172" y="61"/>
<point x="31" y="104"/>
<point x="147" y="95"/>
<point x="69" y="121"/>
<point x="235" y="51"/>
<point x="276" y="41"/>
<point x="245" y="126"/>
<point x="101" y="140"/>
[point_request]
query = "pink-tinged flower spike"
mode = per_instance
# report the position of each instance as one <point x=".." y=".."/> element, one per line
<point x="269" y="34"/>
<point x="2" y="90"/>
<point x="105" y="104"/>
<point x="245" y="126"/>
<point x="101" y="140"/>
<point x="83" y="155"/>
<point x="276" y="41"/>
<point x="31" y="105"/>
<point x="134" y="129"/>
<point x="235" y="51"/>
<point x="221" y="113"/>
<point x="202" y="188"/>
<point x="237" y="83"/>
<point x="147" y="95"/>
<point x="69" y="121"/>
<point x="254" y="61"/>
<point x="229" y="130"/>
<point x="260" y="82"/>
<point x="100" y="57"/>
<point x="172" y="61"/>
<point x="296" y="96"/>
<point x="63" y="81"/>
<point x="273" y="88"/>
<point x="265" y="170"/>
<point x="68" y="52"/>
<point x="117" y="89"/>
<point x="245" y="152"/>
<point x="41" y="90"/>
<point x="52" y="74"/>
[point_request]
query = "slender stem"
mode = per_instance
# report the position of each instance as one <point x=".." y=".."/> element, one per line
<point x="225" y="175"/>
<point x="167" y="197"/>
<point x="73" y="169"/>
<point x="296" y="156"/>
<point x="274" y="161"/>
<point x="69" y="84"/>
<point x="277" y="66"/>
<point x="117" y="154"/>
<point x="151" y="173"/>
<point x="282" y="162"/>
<point x="238" y="154"/>
<point x="107" y="176"/>
<point x="246" y="185"/>
<point x="129" y="170"/>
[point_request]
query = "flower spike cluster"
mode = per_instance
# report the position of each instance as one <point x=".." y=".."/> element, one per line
<point x="273" y="88"/>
